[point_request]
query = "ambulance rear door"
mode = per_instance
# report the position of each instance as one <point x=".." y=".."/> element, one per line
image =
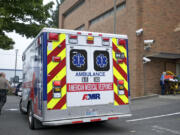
<point x="89" y="73"/>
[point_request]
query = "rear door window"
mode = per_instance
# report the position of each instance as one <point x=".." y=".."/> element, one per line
<point x="101" y="60"/>
<point x="78" y="60"/>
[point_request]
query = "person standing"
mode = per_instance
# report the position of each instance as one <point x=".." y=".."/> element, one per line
<point x="162" y="83"/>
<point x="4" y="86"/>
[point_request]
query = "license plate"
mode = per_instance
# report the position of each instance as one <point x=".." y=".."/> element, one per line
<point x="91" y="113"/>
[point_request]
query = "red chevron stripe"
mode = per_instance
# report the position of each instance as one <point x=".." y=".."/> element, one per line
<point x="56" y="70"/>
<point x="60" y="104"/>
<point x="115" y="49"/>
<point x="118" y="100"/>
<point x="120" y="70"/>
<point x="50" y="94"/>
<point x="115" y="81"/>
<point x="55" y="52"/>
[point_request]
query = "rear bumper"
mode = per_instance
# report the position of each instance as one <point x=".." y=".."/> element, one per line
<point x="84" y="120"/>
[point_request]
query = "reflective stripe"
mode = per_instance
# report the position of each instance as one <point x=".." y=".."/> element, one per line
<point x="120" y="73"/>
<point x="56" y="71"/>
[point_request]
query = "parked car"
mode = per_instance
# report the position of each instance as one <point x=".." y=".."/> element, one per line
<point x="18" y="88"/>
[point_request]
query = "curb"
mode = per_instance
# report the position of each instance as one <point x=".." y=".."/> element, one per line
<point x="145" y="97"/>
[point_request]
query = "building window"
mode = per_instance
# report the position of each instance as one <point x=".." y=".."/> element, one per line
<point x="80" y="27"/>
<point x="108" y="13"/>
<point x="74" y="7"/>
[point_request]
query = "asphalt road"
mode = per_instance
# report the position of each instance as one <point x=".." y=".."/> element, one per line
<point x="152" y="116"/>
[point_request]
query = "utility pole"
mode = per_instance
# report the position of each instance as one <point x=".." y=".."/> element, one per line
<point x="15" y="65"/>
<point x="114" y="16"/>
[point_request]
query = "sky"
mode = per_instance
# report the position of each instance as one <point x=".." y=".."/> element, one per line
<point x="7" y="58"/>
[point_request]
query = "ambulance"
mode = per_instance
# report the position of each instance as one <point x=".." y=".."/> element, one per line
<point x="72" y="77"/>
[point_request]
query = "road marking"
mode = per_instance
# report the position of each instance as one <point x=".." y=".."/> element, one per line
<point x="159" y="128"/>
<point x="12" y="109"/>
<point x="153" y="117"/>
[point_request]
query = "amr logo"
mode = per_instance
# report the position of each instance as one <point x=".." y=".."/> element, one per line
<point x="78" y="60"/>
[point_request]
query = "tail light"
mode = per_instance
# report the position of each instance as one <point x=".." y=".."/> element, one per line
<point x="56" y="59"/>
<point x="106" y="42"/>
<point x="120" y="85"/>
<point x="53" y="36"/>
<point x="73" y="39"/>
<point x="122" y="42"/>
<point x="90" y="40"/>
<point x="119" y="61"/>
<point x="57" y="89"/>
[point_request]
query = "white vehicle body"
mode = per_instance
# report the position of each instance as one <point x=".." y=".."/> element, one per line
<point x="75" y="77"/>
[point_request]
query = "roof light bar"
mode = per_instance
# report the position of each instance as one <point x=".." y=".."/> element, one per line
<point x="90" y="40"/>
<point x="73" y="39"/>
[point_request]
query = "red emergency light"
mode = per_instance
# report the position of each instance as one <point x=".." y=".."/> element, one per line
<point x="73" y="39"/>
<point x="121" y="82"/>
<point x="53" y="36"/>
<point x="90" y="40"/>
<point x="57" y="83"/>
<point x="73" y="36"/>
<point x="120" y="61"/>
<point x="106" y="39"/>
<point x="56" y="59"/>
<point x="122" y="42"/>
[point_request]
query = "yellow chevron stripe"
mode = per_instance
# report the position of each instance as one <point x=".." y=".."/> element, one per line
<point x="115" y="103"/>
<point x="62" y="37"/>
<point x="122" y="65"/>
<point x="121" y="48"/>
<point x="52" y="64"/>
<point x="59" y="76"/>
<point x="120" y="77"/>
<point x="54" y="101"/>
<point x="64" y="107"/>
<point x="122" y="97"/>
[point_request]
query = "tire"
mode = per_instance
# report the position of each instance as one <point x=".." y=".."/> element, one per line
<point x="33" y="122"/>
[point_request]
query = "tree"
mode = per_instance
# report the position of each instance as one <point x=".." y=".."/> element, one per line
<point x="26" y="17"/>
<point x="55" y="16"/>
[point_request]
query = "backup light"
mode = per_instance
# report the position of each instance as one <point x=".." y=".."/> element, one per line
<point x="53" y="36"/>
<point x="121" y="92"/>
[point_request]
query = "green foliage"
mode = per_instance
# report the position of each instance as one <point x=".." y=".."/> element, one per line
<point x="26" y="17"/>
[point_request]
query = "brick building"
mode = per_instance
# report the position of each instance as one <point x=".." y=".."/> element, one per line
<point x="160" y="20"/>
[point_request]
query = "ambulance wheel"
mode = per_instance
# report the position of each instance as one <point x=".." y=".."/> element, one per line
<point x="33" y="122"/>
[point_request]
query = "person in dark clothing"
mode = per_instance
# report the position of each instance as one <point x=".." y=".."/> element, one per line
<point x="4" y="86"/>
<point x="162" y="83"/>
